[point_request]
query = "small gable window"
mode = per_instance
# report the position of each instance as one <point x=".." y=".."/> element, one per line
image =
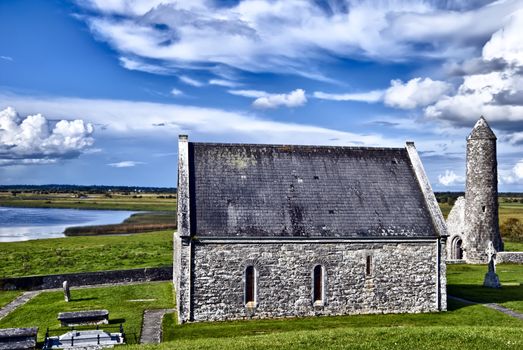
<point x="250" y="286"/>
<point x="318" y="287"/>
<point x="368" y="265"/>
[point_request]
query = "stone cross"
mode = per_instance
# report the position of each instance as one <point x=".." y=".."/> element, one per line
<point x="491" y="253"/>
<point x="67" y="292"/>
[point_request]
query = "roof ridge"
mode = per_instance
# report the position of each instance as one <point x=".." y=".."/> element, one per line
<point x="270" y="145"/>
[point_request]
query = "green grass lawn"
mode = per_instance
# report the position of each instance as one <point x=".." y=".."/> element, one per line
<point x="83" y="254"/>
<point x="7" y="296"/>
<point x="513" y="246"/>
<point x="466" y="281"/>
<point x="463" y="327"/>
<point x="44" y="308"/>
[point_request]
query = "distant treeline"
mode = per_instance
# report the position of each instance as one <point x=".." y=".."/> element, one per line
<point x="450" y="197"/>
<point x="88" y="189"/>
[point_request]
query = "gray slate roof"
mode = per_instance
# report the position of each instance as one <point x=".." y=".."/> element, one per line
<point x="304" y="191"/>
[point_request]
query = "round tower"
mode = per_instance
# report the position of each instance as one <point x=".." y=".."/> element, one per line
<point x="481" y="194"/>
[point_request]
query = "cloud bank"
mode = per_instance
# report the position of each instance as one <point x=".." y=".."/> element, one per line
<point x="36" y="140"/>
<point x="121" y="117"/>
<point x="203" y="34"/>
<point x="415" y="93"/>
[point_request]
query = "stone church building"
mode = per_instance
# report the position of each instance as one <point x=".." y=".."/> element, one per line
<point x="280" y="231"/>
<point x="474" y="220"/>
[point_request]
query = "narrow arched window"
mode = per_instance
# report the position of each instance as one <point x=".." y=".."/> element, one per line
<point x="318" y="284"/>
<point x="368" y="265"/>
<point x="250" y="285"/>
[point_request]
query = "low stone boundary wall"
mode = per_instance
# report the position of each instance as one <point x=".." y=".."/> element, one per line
<point x="87" y="278"/>
<point x="509" y="257"/>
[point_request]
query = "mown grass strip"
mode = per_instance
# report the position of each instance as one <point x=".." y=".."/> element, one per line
<point x="8" y="296"/>
<point x="125" y="304"/>
<point x="466" y="281"/>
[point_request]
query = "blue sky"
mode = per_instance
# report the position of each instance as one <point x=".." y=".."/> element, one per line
<point x="96" y="92"/>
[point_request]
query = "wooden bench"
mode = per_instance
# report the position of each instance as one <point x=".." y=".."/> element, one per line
<point x="18" y="338"/>
<point x="81" y="318"/>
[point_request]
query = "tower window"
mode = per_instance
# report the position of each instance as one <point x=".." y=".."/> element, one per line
<point x="483" y="208"/>
<point x="368" y="265"/>
<point x="250" y="286"/>
<point x="318" y="287"/>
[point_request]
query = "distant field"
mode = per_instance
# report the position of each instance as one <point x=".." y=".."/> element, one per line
<point x="83" y="254"/>
<point x="115" y="201"/>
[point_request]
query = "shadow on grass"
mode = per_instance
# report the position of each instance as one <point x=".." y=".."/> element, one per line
<point x="81" y="299"/>
<point x="117" y="321"/>
<point x="482" y="294"/>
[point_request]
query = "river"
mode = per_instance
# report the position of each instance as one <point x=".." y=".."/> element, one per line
<point x="22" y="224"/>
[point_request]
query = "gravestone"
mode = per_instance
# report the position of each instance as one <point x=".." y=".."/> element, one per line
<point x="18" y="338"/>
<point x="491" y="278"/>
<point x="67" y="292"/>
<point x="82" y="318"/>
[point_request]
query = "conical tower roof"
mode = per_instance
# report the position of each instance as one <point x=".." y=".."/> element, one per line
<point x="482" y="131"/>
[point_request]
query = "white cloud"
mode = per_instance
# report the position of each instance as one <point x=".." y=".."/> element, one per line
<point x="496" y="93"/>
<point x="512" y="176"/>
<point x="243" y="36"/>
<point x="6" y="58"/>
<point x="507" y="42"/>
<point x="176" y="92"/>
<point x="35" y="140"/>
<point x="121" y="117"/>
<point x="483" y="94"/>
<point x="370" y="96"/>
<point x="225" y="83"/>
<point x="415" y="93"/>
<point x="125" y="164"/>
<point x="249" y="93"/>
<point x="450" y="178"/>
<point x="133" y="64"/>
<point x="266" y="100"/>
<point x="190" y="81"/>
<point x="295" y="98"/>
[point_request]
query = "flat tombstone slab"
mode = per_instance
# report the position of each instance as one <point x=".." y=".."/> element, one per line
<point x="18" y="338"/>
<point x="89" y="339"/>
<point x="81" y="318"/>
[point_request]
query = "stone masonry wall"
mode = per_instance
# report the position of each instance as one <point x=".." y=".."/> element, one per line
<point x="481" y="209"/>
<point x="509" y="257"/>
<point x="403" y="278"/>
<point x="87" y="278"/>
